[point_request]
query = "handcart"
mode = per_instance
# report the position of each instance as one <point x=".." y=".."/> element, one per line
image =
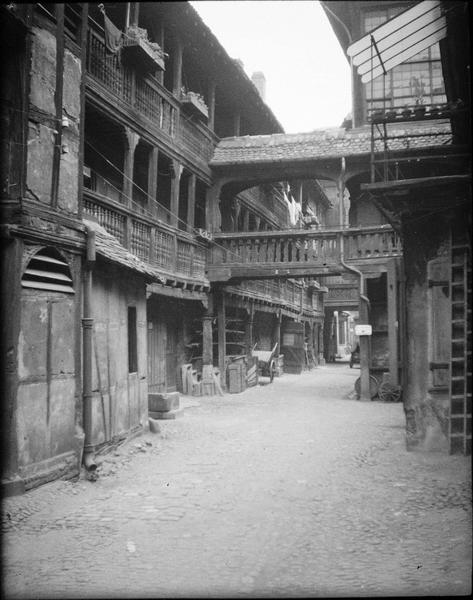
<point x="266" y="361"/>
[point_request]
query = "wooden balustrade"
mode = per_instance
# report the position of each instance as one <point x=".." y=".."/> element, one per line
<point x="144" y="95"/>
<point x="302" y="246"/>
<point x="107" y="68"/>
<point x="166" y="249"/>
<point x="276" y="247"/>
<point x="284" y="292"/>
<point x="196" y="138"/>
<point x="148" y="97"/>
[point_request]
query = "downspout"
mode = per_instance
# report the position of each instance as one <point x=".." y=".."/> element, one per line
<point x="365" y="393"/>
<point x="341" y="239"/>
<point x="87" y="329"/>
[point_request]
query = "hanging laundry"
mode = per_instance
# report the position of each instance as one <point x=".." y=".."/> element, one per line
<point x="290" y="207"/>
<point x="113" y="35"/>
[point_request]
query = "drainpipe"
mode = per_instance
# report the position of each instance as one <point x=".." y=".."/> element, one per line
<point x="364" y="301"/>
<point x="87" y="328"/>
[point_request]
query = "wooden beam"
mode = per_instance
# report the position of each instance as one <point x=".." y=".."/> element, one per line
<point x="58" y="101"/>
<point x="269" y="271"/>
<point x="175" y="182"/>
<point x="191" y="203"/>
<point x="393" y="323"/>
<point x="152" y="180"/>
<point x="211" y="104"/>
<point x="177" y="69"/>
<point x="131" y="141"/>
<point x="221" y="337"/>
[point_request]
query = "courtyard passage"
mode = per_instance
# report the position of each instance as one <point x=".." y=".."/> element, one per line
<point x="289" y="489"/>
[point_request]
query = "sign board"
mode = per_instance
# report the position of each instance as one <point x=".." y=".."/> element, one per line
<point x="363" y="330"/>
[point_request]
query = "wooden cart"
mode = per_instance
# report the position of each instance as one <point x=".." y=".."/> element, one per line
<point x="266" y="361"/>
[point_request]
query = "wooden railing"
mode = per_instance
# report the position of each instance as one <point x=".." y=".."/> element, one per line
<point x="285" y="292"/>
<point x="170" y="251"/>
<point x="149" y="98"/>
<point x="142" y="94"/>
<point x="275" y="247"/>
<point x="296" y="252"/>
<point x="197" y="139"/>
<point x="371" y="242"/>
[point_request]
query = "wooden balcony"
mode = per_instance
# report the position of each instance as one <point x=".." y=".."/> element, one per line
<point x="292" y="296"/>
<point x="174" y="253"/>
<point x="136" y="92"/>
<point x="298" y="253"/>
<point x="194" y="104"/>
<point x="141" y="52"/>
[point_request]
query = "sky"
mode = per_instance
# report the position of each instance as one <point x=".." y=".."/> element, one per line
<point x="292" y="43"/>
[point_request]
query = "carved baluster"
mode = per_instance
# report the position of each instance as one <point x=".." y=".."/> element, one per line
<point x="286" y="243"/>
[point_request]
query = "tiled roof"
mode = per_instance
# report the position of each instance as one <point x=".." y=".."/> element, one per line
<point x="110" y="248"/>
<point x="325" y="144"/>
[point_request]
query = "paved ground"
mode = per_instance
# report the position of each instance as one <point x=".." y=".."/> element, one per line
<point x="288" y="490"/>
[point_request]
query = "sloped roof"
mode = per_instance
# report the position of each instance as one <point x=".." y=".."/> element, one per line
<point x="110" y="248"/>
<point x="325" y="143"/>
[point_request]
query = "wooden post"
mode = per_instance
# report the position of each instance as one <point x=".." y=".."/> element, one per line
<point x="246" y="219"/>
<point x="249" y="328"/>
<point x="191" y="203"/>
<point x="277" y="331"/>
<point x="212" y="210"/>
<point x="177" y="69"/>
<point x="211" y="105"/>
<point x="152" y="180"/>
<point x="58" y="101"/>
<point x="160" y="40"/>
<point x="236" y="123"/>
<point x="364" y="353"/>
<point x="221" y="337"/>
<point x="207" y="341"/>
<point x="131" y="141"/>
<point x="134" y="13"/>
<point x="393" y="322"/>
<point x="236" y="214"/>
<point x="175" y="181"/>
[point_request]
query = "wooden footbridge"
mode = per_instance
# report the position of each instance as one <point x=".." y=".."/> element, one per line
<point x="299" y="253"/>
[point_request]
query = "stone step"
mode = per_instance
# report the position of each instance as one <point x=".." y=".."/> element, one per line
<point x="163" y="402"/>
<point x="167" y="414"/>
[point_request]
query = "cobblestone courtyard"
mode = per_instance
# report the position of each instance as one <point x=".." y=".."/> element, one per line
<point x="286" y="490"/>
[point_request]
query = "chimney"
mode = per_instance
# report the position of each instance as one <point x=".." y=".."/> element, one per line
<point x="259" y="81"/>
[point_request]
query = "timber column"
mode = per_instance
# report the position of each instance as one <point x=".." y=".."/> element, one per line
<point x="222" y="342"/>
<point x="393" y="320"/>
<point x="131" y="141"/>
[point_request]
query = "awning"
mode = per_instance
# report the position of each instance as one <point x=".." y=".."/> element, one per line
<point x="398" y="39"/>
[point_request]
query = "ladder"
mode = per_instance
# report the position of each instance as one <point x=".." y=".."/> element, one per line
<point x="460" y="381"/>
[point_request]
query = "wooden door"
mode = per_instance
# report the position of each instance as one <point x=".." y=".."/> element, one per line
<point x="156" y="356"/>
<point x="171" y="355"/>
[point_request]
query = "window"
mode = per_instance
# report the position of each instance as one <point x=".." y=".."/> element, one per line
<point x="132" y="341"/>
<point x="419" y="80"/>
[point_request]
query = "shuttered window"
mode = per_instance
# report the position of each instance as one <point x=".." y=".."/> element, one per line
<point x="47" y="270"/>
